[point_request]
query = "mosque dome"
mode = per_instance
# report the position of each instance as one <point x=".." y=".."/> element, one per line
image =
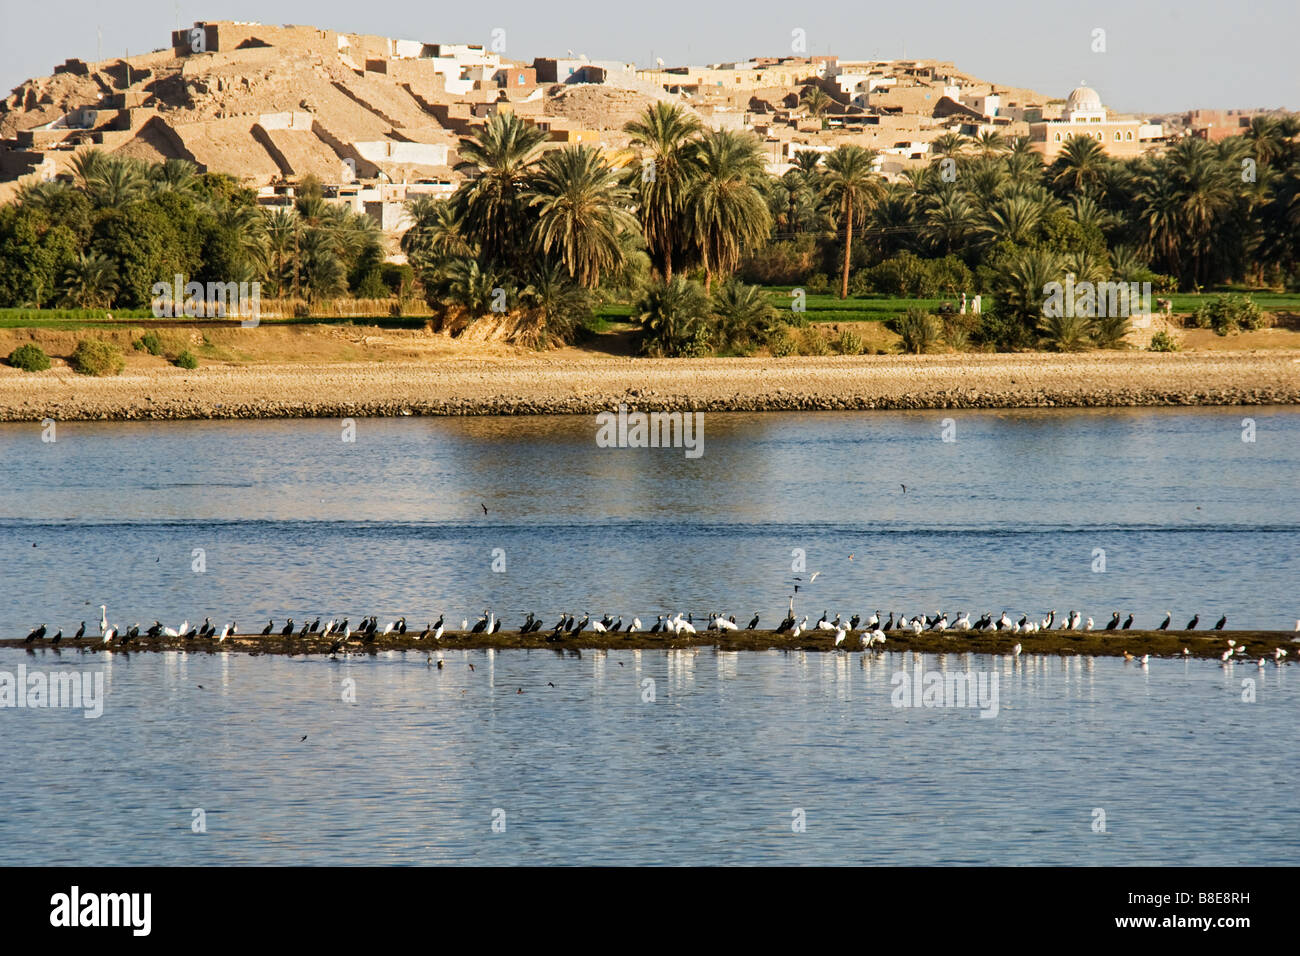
<point x="1083" y="99"/>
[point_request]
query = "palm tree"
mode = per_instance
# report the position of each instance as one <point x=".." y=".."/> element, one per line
<point x="922" y="179"/>
<point x="116" y="182"/>
<point x="174" y="175"/>
<point x="1271" y="139"/>
<point x="893" y="219"/>
<point x="744" y="315"/>
<point x="91" y="281"/>
<point x="1126" y="265"/>
<point x="1204" y="188"/>
<point x="1013" y="219"/>
<point x="949" y="220"/>
<point x="491" y="207"/>
<point x="1024" y="163"/>
<point x="725" y="212"/>
<point x="674" y="318"/>
<point x="280" y="240"/>
<point x="665" y="131"/>
<point x="949" y="146"/>
<point x="1080" y="164"/>
<point x="815" y="100"/>
<point x="1021" y="286"/>
<point x="86" y="165"/>
<point x="581" y="210"/>
<point x="983" y="177"/>
<point x="807" y="162"/>
<point x="1066" y="332"/>
<point x="1158" y="218"/>
<point x="852" y="185"/>
<point x="1086" y="265"/>
<point x="434" y="233"/>
<point x="991" y="143"/>
<point x="561" y="304"/>
<point x="1087" y="213"/>
<point x="323" y="276"/>
<point x="464" y="283"/>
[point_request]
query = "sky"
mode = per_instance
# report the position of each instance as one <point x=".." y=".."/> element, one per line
<point x="1159" y="56"/>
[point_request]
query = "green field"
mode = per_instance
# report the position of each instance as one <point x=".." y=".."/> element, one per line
<point x="828" y="307"/>
<point x="823" y="307"/>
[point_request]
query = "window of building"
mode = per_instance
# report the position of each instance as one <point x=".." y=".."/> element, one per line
<point x="1128" y="135"/>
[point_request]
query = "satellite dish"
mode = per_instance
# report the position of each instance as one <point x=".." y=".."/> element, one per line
<point x="659" y="60"/>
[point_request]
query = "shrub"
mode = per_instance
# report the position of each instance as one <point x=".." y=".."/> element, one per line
<point x="1228" y="313"/>
<point x="817" y="284"/>
<point x="947" y="276"/>
<point x="372" y="286"/>
<point x="849" y="343"/>
<point x="149" y="342"/>
<point x="96" y="357"/>
<point x="903" y="275"/>
<point x="1109" y="331"/>
<point x="814" y="342"/>
<point x="398" y="278"/>
<point x="1162" y="342"/>
<point x="29" y="358"/>
<point x="958" y="330"/>
<point x="783" y="262"/>
<point x="1002" y="332"/>
<point x="919" y="330"/>
<point x="186" y="360"/>
<point x="1066" y="333"/>
<point x="781" y="343"/>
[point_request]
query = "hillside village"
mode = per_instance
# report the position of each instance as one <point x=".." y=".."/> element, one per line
<point x="378" y="120"/>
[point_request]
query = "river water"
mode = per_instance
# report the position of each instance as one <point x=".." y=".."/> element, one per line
<point x="736" y="758"/>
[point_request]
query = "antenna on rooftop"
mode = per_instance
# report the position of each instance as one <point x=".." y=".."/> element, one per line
<point x="99" y="43"/>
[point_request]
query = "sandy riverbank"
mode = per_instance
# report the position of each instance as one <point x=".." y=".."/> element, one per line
<point x="1203" y="644"/>
<point x="576" y="382"/>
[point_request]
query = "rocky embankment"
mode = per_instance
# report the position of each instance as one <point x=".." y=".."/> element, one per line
<point x="580" y="383"/>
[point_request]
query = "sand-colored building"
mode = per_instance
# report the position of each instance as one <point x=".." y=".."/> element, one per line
<point x="1085" y="115"/>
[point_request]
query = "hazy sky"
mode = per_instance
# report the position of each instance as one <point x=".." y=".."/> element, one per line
<point x="1161" y="56"/>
